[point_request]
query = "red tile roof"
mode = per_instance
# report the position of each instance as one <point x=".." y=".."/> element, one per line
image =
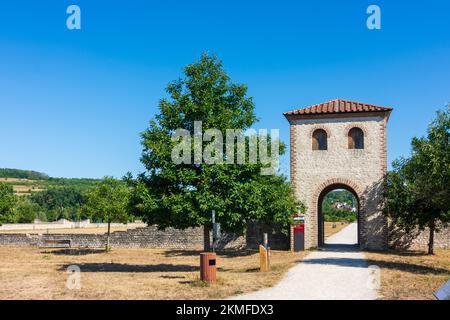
<point x="337" y="106"/>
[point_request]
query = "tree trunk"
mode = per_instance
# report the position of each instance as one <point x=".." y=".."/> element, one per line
<point x="431" y="239"/>
<point x="206" y="238"/>
<point x="107" y="236"/>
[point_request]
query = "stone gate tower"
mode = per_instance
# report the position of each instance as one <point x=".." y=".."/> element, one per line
<point x="340" y="144"/>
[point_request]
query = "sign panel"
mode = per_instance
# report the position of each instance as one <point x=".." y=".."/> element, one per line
<point x="216" y="230"/>
<point x="443" y="293"/>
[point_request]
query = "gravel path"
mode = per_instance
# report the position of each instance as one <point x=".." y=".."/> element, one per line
<point x="339" y="271"/>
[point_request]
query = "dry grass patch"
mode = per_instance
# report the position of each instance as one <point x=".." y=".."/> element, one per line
<point x="31" y="273"/>
<point x="411" y="275"/>
<point x="329" y="230"/>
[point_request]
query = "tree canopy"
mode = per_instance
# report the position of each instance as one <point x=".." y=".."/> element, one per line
<point x="417" y="191"/>
<point x="108" y="201"/>
<point x="60" y="202"/>
<point x="7" y="203"/>
<point x="22" y="174"/>
<point x="183" y="195"/>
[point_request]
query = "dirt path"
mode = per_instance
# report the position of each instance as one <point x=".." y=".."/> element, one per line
<point x="339" y="271"/>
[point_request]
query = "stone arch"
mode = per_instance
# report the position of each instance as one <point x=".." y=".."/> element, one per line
<point x="322" y="190"/>
<point x="319" y="140"/>
<point x="355" y="138"/>
<point x="355" y="125"/>
<point x="365" y="134"/>
<point x="317" y="127"/>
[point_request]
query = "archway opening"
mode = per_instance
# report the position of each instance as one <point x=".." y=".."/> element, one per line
<point x="338" y="209"/>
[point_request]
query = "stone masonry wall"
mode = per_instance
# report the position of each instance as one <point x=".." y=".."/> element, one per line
<point x="151" y="237"/>
<point x="418" y="240"/>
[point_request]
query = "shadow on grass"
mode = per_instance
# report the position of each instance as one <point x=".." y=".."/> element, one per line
<point x="172" y="277"/>
<point x="364" y="263"/>
<point x="402" y="253"/>
<point x="221" y="253"/>
<point x="74" y="252"/>
<point x="409" y="267"/>
<point x="120" y="267"/>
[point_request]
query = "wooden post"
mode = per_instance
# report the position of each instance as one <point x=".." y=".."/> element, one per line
<point x="263" y="259"/>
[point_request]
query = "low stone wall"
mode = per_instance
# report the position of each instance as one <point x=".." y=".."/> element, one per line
<point x="64" y="224"/>
<point x="192" y="239"/>
<point x="151" y="237"/>
<point x="417" y="240"/>
<point x="147" y="237"/>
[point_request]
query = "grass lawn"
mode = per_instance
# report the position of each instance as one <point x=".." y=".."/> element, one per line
<point x="32" y="273"/>
<point x="411" y="275"/>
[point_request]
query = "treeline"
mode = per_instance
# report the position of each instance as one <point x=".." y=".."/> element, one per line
<point x="62" y="202"/>
<point x="81" y="184"/>
<point x="22" y="174"/>
<point x="60" y="198"/>
<point x="48" y="205"/>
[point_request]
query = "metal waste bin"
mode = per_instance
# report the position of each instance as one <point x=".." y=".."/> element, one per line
<point x="208" y="266"/>
<point x="299" y="237"/>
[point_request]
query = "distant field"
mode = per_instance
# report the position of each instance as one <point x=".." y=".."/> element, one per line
<point x="23" y="187"/>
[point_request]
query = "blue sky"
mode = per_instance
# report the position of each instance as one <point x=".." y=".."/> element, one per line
<point x="72" y="103"/>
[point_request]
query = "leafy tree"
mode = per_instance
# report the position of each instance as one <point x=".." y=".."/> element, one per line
<point x="417" y="191"/>
<point x="27" y="211"/>
<point x="7" y="203"/>
<point x="183" y="195"/>
<point x="108" y="201"/>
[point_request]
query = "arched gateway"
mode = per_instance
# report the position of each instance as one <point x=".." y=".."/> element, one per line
<point x="340" y="144"/>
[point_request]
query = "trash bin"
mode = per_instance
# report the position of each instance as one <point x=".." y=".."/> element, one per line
<point x="299" y="237"/>
<point x="208" y="266"/>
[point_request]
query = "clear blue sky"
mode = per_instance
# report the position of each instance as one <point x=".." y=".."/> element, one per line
<point x="72" y="103"/>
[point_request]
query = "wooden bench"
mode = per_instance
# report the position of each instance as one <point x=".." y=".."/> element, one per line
<point x="63" y="243"/>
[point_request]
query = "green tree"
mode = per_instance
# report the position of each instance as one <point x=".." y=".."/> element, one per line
<point x="59" y="202"/>
<point x="183" y="195"/>
<point x="417" y="191"/>
<point x="108" y="201"/>
<point x="27" y="211"/>
<point x="7" y="204"/>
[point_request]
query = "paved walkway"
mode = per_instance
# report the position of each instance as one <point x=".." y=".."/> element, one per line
<point x="339" y="271"/>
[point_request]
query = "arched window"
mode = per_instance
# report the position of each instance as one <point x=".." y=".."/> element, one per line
<point x="319" y="140"/>
<point x="356" y="139"/>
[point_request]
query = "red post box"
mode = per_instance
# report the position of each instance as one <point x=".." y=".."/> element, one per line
<point x="299" y="237"/>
